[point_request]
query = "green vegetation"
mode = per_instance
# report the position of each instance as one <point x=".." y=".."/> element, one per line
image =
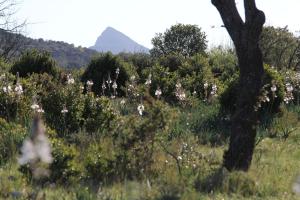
<point x="181" y="39"/>
<point x="34" y="62"/>
<point x="131" y="126"/>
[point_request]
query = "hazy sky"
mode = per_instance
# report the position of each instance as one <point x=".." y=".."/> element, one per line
<point x="81" y="21"/>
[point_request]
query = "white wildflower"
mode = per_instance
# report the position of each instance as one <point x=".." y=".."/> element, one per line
<point x="289" y="87"/>
<point x="4" y="89"/>
<point x="40" y="110"/>
<point x="9" y="89"/>
<point x="205" y="85"/>
<point x="273" y="88"/>
<point x="19" y="89"/>
<point x="149" y="81"/>
<point x="115" y="86"/>
<point x="214" y="90"/>
<point x="158" y="92"/>
<point x="64" y="110"/>
<point x="141" y="109"/>
<point x="118" y="71"/>
<point x="178" y="85"/>
<point x="35" y="106"/>
<point x="132" y="78"/>
<point x="71" y="81"/>
<point x="109" y="81"/>
<point x="123" y="102"/>
<point x="89" y="83"/>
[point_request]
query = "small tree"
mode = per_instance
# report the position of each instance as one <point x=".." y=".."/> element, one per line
<point x="181" y="39"/>
<point x="280" y="48"/>
<point x="34" y="62"/>
<point x="105" y="71"/>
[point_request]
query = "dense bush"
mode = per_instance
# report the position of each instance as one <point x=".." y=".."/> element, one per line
<point x="34" y="62"/>
<point x="268" y="101"/>
<point x="98" y="114"/>
<point x="14" y="100"/>
<point x="68" y="110"/>
<point x="100" y="161"/>
<point x="140" y="61"/>
<point x="102" y="71"/>
<point x="191" y="74"/>
<point x="11" y="138"/>
<point x="223" y="63"/>
<point x="59" y="98"/>
<point x="173" y="62"/>
<point x="127" y="152"/>
<point x="180" y="39"/>
<point x="66" y="165"/>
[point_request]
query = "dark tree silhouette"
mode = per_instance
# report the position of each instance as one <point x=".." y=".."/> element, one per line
<point x="245" y="36"/>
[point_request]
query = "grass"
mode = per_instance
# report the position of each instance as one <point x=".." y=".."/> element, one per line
<point x="274" y="169"/>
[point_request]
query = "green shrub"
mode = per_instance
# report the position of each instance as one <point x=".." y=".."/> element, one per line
<point x="223" y="63"/>
<point x="136" y="138"/>
<point x="102" y="69"/>
<point x="97" y="113"/>
<point x="34" y="62"/>
<point x="268" y="102"/>
<point x="172" y="61"/>
<point x="165" y="80"/>
<point x="11" y="138"/>
<point x="61" y="97"/>
<point x="15" y="101"/>
<point x="192" y="73"/>
<point x="82" y="111"/>
<point x="100" y="161"/>
<point x="66" y="165"/>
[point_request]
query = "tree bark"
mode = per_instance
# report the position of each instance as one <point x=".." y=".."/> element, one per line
<point x="245" y="36"/>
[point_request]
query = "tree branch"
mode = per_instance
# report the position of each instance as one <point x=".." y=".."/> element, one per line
<point x="254" y="17"/>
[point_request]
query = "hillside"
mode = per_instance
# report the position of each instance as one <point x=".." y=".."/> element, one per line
<point x="66" y="55"/>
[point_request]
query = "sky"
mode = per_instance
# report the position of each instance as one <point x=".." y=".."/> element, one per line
<point x="80" y="22"/>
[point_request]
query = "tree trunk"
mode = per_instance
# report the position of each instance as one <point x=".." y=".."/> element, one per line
<point x="244" y="120"/>
<point x="245" y="36"/>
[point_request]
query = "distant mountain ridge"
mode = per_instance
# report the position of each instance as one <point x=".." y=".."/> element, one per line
<point x="66" y="55"/>
<point x="116" y="42"/>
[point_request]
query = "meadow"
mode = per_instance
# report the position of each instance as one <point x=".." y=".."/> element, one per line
<point x="139" y="126"/>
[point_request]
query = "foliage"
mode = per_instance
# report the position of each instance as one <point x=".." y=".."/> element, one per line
<point x="14" y="105"/>
<point x="103" y="71"/>
<point x="142" y="146"/>
<point x="181" y="39"/>
<point x="268" y="101"/>
<point x="61" y="97"/>
<point x="191" y="74"/>
<point x="280" y="48"/>
<point x="68" y="110"/>
<point x="140" y="61"/>
<point x="136" y="142"/>
<point x="223" y="62"/>
<point x="34" y="62"/>
<point x="11" y="138"/>
<point x="66" y="166"/>
<point x="98" y="114"/>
